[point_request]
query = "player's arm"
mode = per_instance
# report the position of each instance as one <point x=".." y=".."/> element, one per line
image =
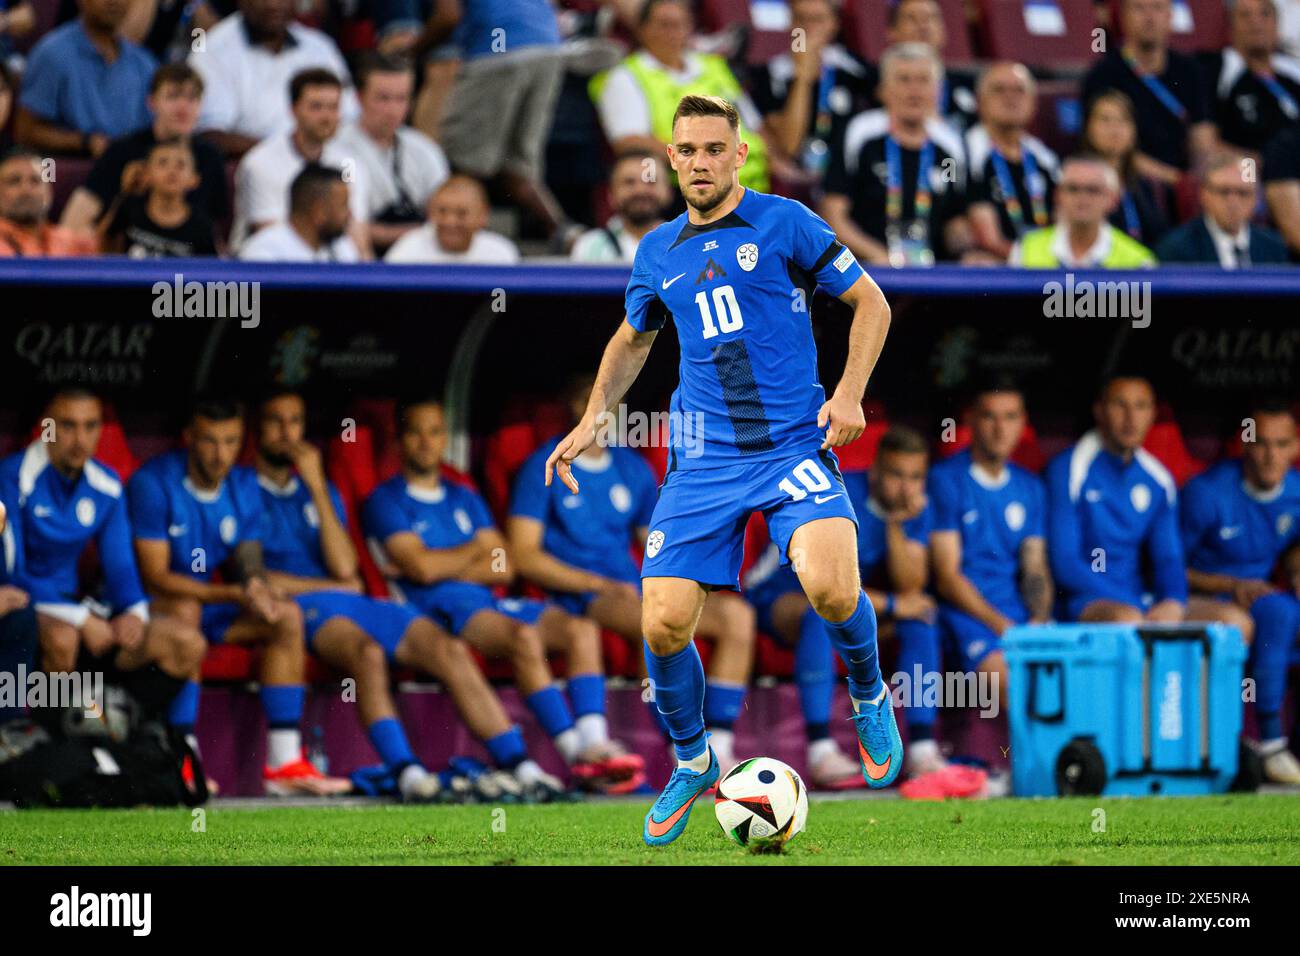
<point x="623" y="360"/>
<point x="1036" y="579"/>
<point x="957" y="589"/>
<point x="841" y="416"/>
<point x="905" y="559"/>
<point x="540" y="566"/>
<point x="417" y="562"/>
<point x="154" y="558"/>
<point x="335" y="543"/>
<point x="492" y="565"/>
<point x="1169" y="567"/>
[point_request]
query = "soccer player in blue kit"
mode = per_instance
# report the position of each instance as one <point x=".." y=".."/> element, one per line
<point x="1238" y="520"/>
<point x="736" y="273"/>
<point x="309" y="556"/>
<point x="195" y="512"/>
<point x="60" y="499"/>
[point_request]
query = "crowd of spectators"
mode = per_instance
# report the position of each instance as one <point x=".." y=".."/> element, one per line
<point x="458" y="129"/>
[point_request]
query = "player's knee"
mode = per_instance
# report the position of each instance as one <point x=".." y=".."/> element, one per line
<point x="183" y="645"/>
<point x="667" y="628"/>
<point x="834" y="600"/>
<point x="59" y="650"/>
<point x="526" y="645"/>
<point x="370" y="661"/>
<point x="582" y="633"/>
<point x="289" y="624"/>
<point x="740" y="623"/>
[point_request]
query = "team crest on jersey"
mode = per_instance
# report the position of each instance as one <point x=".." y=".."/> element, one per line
<point x="1140" y="495"/>
<point x="1015" y="515"/>
<point x="311" y="515"/>
<point x="747" y="256"/>
<point x="462" y="521"/>
<point x="86" y="512"/>
<point x="571" y="501"/>
<point x="1284" y="523"/>
<point x="654" y="543"/>
<point x="620" y="498"/>
<point x="229" y="526"/>
<point x="710" y="272"/>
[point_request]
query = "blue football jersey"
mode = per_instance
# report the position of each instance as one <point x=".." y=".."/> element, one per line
<point x="1104" y="512"/>
<point x="202" y="527"/>
<point x="1230" y="528"/>
<point x="873" y="551"/>
<point x="739" y="291"/>
<point x="442" y="517"/>
<point x="291" y="528"/>
<point x="595" y="529"/>
<point x="994" y="518"/>
<point x="52" y="519"/>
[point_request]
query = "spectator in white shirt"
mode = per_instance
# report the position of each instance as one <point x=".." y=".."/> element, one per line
<point x="456" y="231"/>
<point x="639" y="193"/>
<point x="247" y="61"/>
<point x="316" y="230"/>
<point x="402" y="166"/>
<point x="264" y="174"/>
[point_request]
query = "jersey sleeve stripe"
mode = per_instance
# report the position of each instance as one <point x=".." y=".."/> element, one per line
<point x="833" y="250"/>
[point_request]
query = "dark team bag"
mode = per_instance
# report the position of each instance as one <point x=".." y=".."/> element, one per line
<point x="112" y="759"/>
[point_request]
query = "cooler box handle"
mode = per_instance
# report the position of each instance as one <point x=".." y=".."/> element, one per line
<point x="1038" y="710"/>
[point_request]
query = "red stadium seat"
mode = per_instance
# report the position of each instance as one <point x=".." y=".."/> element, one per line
<point x="1198" y="25"/>
<point x="1008" y="34"/>
<point x="505" y="452"/>
<point x="865" y="23"/>
<point x="113" y="449"/>
<point x="1165" y="442"/>
<point x="858" y="455"/>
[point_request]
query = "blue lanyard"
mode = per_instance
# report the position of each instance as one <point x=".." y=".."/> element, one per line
<point x="1132" y="225"/>
<point x="1011" y="199"/>
<point x="1159" y="90"/>
<point x="1284" y="99"/>
<point x="894" y="184"/>
<point x="822" y="121"/>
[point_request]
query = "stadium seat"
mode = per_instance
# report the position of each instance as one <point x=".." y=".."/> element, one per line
<point x="72" y="172"/>
<point x="1165" y="442"/>
<point x="1031" y="33"/>
<point x="1198" y="25"/>
<point x="859" y="454"/>
<point x="1059" y="117"/>
<point x="865" y="24"/>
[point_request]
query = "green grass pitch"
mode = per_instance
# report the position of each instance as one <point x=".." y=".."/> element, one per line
<point x="1230" y="829"/>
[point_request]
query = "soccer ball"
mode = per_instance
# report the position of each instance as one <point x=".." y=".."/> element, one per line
<point x="761" y="803"/>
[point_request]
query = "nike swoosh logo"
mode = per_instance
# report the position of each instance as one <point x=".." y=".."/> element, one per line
<point x="668" y="282"/>
<point x="874" y="770"/>
<point x="821" y="500"/>
<point x="657" y="828"/>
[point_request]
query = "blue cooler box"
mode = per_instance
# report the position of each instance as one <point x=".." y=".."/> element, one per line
<point x="1124" y="709"/>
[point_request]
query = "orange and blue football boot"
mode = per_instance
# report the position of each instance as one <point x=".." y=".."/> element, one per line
<point x="880" y="748"/>
<point x="667" y="817"/>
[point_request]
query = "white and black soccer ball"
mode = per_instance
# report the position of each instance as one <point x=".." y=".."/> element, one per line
<point x="761" y="802"/>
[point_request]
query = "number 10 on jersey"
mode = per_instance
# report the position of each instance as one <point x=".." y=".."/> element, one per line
<point x="726" y="307"/>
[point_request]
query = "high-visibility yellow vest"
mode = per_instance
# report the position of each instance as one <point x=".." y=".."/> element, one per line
<point x="663" y="93"/>
<point x="1036" y="251"/>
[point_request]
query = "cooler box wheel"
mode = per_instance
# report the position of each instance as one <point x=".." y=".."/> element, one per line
<point x="1080" y="769"/>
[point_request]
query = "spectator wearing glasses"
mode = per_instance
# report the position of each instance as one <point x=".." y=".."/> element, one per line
<point x="1256" y="89"/>
<point x="1011" y="173"/>
<point x="1081" y="237"/>
<point x="1224" y="235"/>
<point x="1110" y="133"/>
<point x="1175" y="130"/>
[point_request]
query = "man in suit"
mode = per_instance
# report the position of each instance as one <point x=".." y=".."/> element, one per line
<point x="1224" y="234"/>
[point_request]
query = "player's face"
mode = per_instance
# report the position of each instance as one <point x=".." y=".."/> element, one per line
<point x="899" y="479"/>
<point x="424" y="439"/>
<point x="919" y="21"/>
<point x="283" y="425"/>
<point x="1254" y="25"/>
<point x="457" y="213"/>
<point x="1148" y="21"/>
<point x="176" y="107"/>
<point x="24" y="195"/>
<point x="1111" y="131"/>
<point x="317" y="112"/>
<point x="706" y="155"/>
<point x="77" y="425"/>
<point x="1007" y="96"/>
<point x="1228" y="197"/>
<point x="909" y="90"/>
<point x="1267" y="459"/>
<point x="386" y="100"/>
<point x="214" y="447"/>
<point x="997" y="422"/>
<point x="637" y="191"/>
<point x="1126" y="413"/>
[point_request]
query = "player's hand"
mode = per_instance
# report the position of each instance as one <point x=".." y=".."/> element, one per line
<point x="1166" y="612"/>
<point x="1246" y="592"/>
<point x="259" y="599"/>
<point x="569" y="448"/>
<point x="12" y="598"/>
<point x="306" y="459"/>
<point x="914" y="606"/>
<point x="843" y="420"/>
<point x="1002" y="625"/>
<point x="128" y="631"/>
<point x="610" y="587"/>
<point x="96" y="635"/>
